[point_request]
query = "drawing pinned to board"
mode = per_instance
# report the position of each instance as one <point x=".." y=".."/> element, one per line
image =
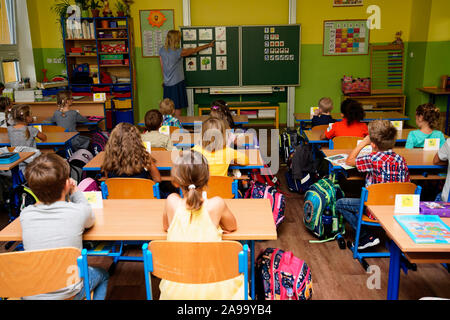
<point x="205" y="34"/>
<point x="189" y="35"/>
<point x="221" y="63"/>
<point x="189" y="45"/>
<point x="221" y="48"/>
<point x="191" y="64"/>
<point x="221" y="33"/>
<point x="205" y="51"/>
<point x="205" y="64"/>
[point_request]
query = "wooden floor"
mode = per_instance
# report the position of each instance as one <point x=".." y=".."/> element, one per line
<point x="336" y="275"/>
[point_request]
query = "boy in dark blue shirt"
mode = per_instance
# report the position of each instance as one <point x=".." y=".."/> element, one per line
<point x="323" y="115"/>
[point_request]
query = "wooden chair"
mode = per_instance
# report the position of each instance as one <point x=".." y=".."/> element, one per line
<point x="344" y="142"/>
<point x="378" y="194"/>
<point x="3" y="130"/>
<point x="322" y="128"/>
<point x="195" y="262"/>
<point x="29" y="273"/>
<point x="130" y="188"/>
<point x="53" y="129"/>
<point x="224" y="187"/>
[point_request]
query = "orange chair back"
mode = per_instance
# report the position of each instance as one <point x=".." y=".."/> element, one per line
<point x="220" y="187"/>
<point x="130" y="188"/>
<point x="3" y="130"/>
<point x="195" y="262"/>
<point x="29" y="273"/>
<point x="384" y="193"/>
<point x="345" y="142"/>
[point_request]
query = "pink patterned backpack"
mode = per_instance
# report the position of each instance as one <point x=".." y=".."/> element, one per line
<point x="88" y="184"/>
<point x="282" y="276"/>
<point x="258" y="190"/>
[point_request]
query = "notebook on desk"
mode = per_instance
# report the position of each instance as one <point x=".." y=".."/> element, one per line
<point x="9" y="157"/>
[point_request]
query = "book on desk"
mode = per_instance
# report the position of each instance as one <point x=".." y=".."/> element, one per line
<point x="424" y="229"/>
<point x="9" y="157"/>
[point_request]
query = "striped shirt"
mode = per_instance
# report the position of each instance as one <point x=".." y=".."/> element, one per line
<point x="171" y="121"/>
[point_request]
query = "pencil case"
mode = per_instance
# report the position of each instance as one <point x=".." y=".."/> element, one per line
<point x="441" y="209"/>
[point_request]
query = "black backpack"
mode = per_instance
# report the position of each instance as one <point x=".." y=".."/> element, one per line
<point x="303" y="169"/>
<point x="289" y="139"/>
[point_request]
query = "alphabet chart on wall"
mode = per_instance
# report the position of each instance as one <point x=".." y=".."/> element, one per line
<point x="345" y="37"/>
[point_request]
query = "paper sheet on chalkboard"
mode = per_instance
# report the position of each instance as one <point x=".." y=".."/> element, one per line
<point x="205" y="51"/>
<point x="205" y="63"/>
<point x="190" y="35"/>
<point x="205" y="34"/>
<point x="221" y="33"/>
<point x="191" y="64"/>
<point x="221" y="48"/>
<point x="221" y="63"/>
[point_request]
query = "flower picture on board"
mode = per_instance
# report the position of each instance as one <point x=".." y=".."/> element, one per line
<point x="347" y="3"/>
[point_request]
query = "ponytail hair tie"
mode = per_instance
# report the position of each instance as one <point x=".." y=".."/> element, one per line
<point x="192" y="187"/>
<point x="215" y="108"/>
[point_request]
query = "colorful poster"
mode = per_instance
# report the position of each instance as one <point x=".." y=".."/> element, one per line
<point x="346" y="37"/>
<point x="153" y="35"/>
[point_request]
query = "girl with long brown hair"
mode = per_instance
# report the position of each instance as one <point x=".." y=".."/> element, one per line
<point x="197" y="219"/>
<point x="126" y="155"/>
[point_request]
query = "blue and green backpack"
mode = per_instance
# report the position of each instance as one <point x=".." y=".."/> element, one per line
<point x="320" y="215"/>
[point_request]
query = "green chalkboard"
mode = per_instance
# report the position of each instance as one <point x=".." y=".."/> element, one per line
<point x="223" y="67"/>
<point x="254" y="56"/>
<point x="271" y="55"/>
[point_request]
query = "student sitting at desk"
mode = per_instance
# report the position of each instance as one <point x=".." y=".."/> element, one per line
<point x="5" y="107"/>
<point x="323" y="114"/>
<point x="215" y="149"/>
<point x="21" y="134"/>
<point x="197" y="219"/>
<point x="351" y="125"/>
<point x="381" y="166"/>
<point x="56" y="223"/>
<point x="153" y="122"/>
<point x="68" y="119"/>
<point x="126" y="155"/>
<point x="427" y="119"/>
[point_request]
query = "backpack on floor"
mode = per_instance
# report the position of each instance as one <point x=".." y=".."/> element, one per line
<point x="277" y="200"/>
<point x="98" y="142"/>
<point x="319" y="208"/>
<point x="289" y="140"/>
<point x="265" y="176"/>
<point x="281" y="273"/>
<point x="77" y="161"/>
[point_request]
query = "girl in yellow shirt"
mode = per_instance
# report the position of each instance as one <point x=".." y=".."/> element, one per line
<point x="197" y="219"/>
<point x="214" y="148"/>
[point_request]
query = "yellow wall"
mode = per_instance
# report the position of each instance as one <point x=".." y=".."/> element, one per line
<point x="439" y="21"/>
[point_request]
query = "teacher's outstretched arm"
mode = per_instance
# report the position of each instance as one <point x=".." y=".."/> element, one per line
<point x="191" y="51"/>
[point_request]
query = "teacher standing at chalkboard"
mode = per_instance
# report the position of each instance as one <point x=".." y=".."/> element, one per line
<point x="171" y="57"/>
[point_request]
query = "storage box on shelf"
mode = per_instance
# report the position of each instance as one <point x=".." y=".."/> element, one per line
<point x="104" y="46"/>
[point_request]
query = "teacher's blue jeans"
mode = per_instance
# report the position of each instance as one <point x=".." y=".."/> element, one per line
<point x="349" y="208"/>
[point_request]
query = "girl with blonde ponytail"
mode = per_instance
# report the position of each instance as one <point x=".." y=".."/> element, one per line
<point x="197" y="219"/>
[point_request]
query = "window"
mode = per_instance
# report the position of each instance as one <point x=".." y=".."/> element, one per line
<point x="9" y="53"/>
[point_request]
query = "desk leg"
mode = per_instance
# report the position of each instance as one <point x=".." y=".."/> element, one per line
<point x="394" y="271"/>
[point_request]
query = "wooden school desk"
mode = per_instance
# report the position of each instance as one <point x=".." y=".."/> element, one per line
<point x="433" y="92"/>
<point x="304" y="118"/>
<point x="314" y="136"/>
<point x="416" y="159"/>
<point x="402" y="242"/>
<point x="190" y="121"/>
<point x="164" y="160"/>
<point x="141" y="220"/>
<point x="54" y="139"/>
<point x="44" y="110"/>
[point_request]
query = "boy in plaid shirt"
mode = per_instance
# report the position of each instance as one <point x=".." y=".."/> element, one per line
<point x="167" y="108"/>
<point x="381" y="166"/>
